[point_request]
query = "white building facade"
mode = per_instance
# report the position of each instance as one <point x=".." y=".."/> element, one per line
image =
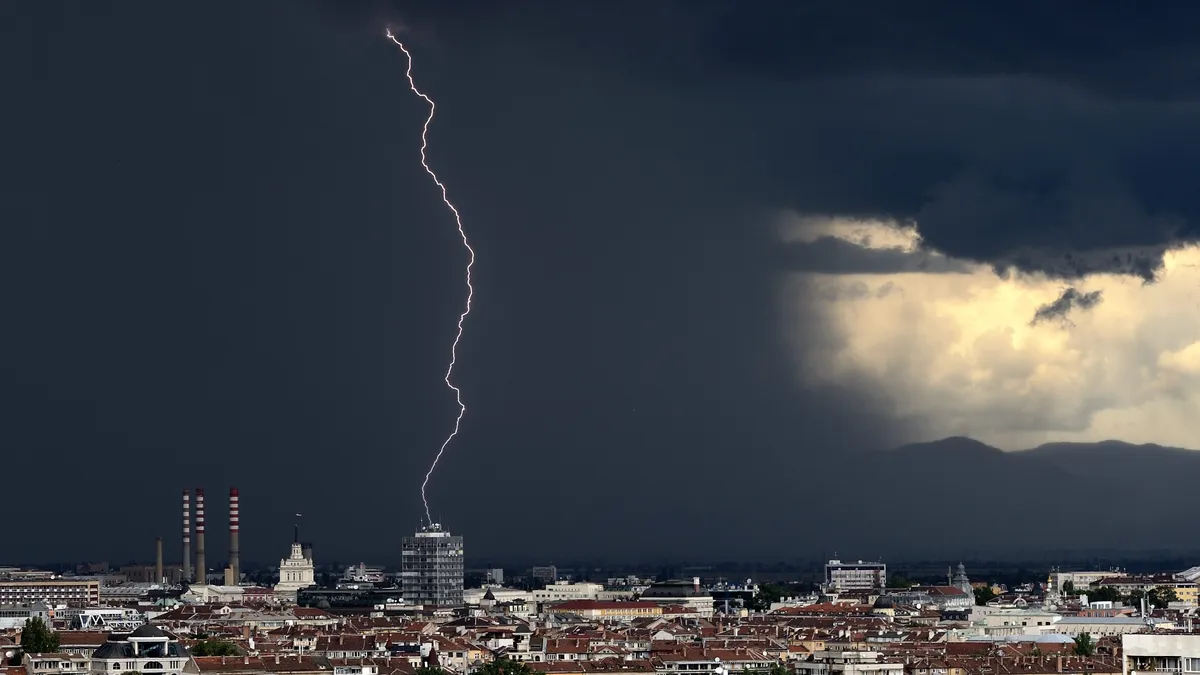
<point x="296" y="571"/>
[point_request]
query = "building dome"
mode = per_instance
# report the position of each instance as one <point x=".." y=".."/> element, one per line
<point x="147" y="631"/>
<point x="884" y="602"/>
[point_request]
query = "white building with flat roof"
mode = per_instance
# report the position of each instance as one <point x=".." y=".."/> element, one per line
<point x="1175" y="654"/>
<point x="563" y="591"/>
<point x="1102" y="626"/>
<point x="847" y="662"/>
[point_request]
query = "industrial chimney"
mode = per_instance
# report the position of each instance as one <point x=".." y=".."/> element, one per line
<point x="158" y="564"/>
<point x="235" y="565"/>
<point x="201" y="564"/>
<point x="187" y="536"/>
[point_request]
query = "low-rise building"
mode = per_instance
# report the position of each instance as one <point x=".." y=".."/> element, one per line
<point x="847" y="662"/>
<point x="610" y="610"/>
<point x="58" y="663"/>
<point x="565" y="590"/>
<point x="145" y="650"/>
<point x="15" y="616"/>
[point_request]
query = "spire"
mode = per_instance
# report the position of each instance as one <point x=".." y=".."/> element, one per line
<point x="296" y="536"/>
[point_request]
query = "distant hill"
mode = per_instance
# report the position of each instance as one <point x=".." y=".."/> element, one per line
<point x="959" y="497"/>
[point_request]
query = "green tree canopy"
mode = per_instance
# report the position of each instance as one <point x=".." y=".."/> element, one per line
<point x="1084" y="645"/>
<point x="1162" y="596"/>
<point x="1104" y="594"/>
<point x="215" y="648"/>
<point x="900" y="581"/>
<point x="1134" y="599"/>
<point x="37" y="638"/>
<point x="505" y="667"/>
<point x="430" y="670"/>
<point x="983" y="594"/>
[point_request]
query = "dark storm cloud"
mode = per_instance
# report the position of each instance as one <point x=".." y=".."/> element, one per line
<point x="229" y="268"/>
<point x="830" y="255"/>
<point x="1059" y="309"/>
<point x="1066" y="155"/>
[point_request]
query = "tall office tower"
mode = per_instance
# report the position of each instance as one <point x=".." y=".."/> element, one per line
<point x="431" y="573"/>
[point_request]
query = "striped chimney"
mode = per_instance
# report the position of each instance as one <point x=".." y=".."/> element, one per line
<point x="235" y="563"/>
<point x="201" y="566"/>
<point x="187" y="536"/>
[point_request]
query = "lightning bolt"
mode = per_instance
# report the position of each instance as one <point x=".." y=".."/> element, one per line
<point x="462" y="409"/>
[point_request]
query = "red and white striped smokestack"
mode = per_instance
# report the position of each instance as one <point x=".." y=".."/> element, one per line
<point x="235" y="563"/>
<point x="201" y="564"/>
<point x="187" y="536"/>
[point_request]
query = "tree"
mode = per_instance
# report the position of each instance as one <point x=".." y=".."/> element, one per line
<point x="900" y="581"/>
<point x="1084" y="645"/>
<point x="767" y="594"/>
<point x="37" y="638"/>
<point x="1068" y="588"/>
<point x="983" y="594"/>
<point x="505" y="667"/>
<point x="1161" y="596"/>
<point x="1104" y="594"/>
<point x="1134" y="599"/>
<point x="430" y="670"/>
<point x="214" y="648"/>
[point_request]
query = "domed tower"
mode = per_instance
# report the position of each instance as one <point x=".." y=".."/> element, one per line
<point x="960" y="579"/>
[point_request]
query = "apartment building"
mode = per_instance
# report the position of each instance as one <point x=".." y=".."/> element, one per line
<point x="847" y="662"/>
<point x="1148" y="653"/>
<point x="51" y="592"/>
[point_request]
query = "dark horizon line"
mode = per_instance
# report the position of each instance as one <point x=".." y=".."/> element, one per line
<point x="1078" y="559"/>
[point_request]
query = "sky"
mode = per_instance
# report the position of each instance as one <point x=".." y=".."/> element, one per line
<point x="723" y="250"/>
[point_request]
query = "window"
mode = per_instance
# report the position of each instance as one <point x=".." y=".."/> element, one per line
<point x="152" y="665"/>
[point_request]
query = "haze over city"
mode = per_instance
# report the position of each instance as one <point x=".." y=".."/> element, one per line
<point x="732" y="264"/>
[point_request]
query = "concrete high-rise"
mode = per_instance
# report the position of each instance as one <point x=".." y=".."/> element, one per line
<point x="431" y="572"/>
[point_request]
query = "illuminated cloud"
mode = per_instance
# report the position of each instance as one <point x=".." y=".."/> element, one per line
<point x="1012" y="359"/>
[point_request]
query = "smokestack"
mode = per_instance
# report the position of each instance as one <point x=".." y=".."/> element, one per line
<point x="187" y="536"/>
<point x="235" y="563"/>
<point x="201" y="563"/>
<point x="696" y="584"/>
<point x="158" y="565"/>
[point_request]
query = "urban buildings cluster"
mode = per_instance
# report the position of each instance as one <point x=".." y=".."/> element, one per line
<point x="369" y="620"/>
